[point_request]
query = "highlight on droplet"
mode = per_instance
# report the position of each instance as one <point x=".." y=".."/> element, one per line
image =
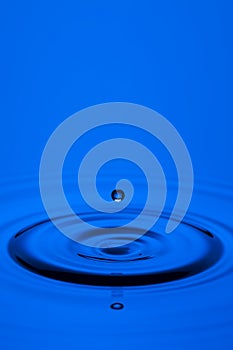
<point x="117" y="195"/>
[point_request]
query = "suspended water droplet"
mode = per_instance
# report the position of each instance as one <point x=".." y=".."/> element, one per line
<point x="117" y="195"/>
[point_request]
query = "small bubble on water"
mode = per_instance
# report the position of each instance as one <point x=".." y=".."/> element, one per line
<point x="117" y="195"/>
<point x="117" y="306"/>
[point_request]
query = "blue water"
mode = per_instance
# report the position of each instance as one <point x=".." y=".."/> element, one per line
<point x="55" y="291"/>
<point x="159" y="291"/>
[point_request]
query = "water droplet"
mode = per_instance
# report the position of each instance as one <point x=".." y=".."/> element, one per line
<point x="117" y="195"/>
<point x="117" y="306"/>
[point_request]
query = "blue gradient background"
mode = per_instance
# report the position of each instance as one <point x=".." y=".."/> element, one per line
<point x="172" y="56"/>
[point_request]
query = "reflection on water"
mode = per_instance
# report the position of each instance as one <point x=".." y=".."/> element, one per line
<point x="177" y="285"/>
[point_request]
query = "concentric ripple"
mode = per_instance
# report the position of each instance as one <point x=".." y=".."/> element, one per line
<point x="179" y="284"/>
<point x="154" y="258"/>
